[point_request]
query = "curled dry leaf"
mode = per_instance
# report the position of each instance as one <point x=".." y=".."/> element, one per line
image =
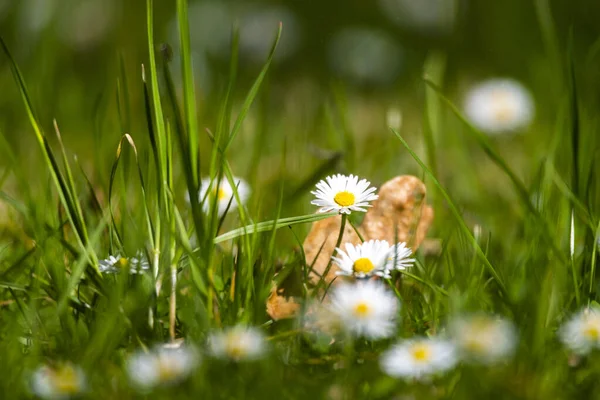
<point x="400" y="214"/>
<point x="280" y="307"/>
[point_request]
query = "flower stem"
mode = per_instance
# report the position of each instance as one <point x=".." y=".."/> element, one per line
<point x="337" y="245"/>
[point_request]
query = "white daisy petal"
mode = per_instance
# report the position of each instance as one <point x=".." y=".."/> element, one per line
<point x="419" y="358"/>
<point x="163" y="366"/>
<point x="239" y="343"/>
<point x="398" y="257"/>
<point x="581" y="333"/>
<point x="363" y="260"/>
<point x="365" y="309"/>
<point x="343" y="194"/>
<point x="58" y="382"/>
<point x="483" y="339"/>
<point x="223" y="194"/>
<point x="499" y="105"/>
<point x="116" y="263"/>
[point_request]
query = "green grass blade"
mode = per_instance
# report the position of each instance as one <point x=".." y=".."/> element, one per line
<point x="189" y="92"/>
<point x="253" y="92"/>
<point x="272" y="225"/>
<point x="463" y="226"/>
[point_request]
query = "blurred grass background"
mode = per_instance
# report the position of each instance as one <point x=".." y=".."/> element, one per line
<point x="325" y="101"/>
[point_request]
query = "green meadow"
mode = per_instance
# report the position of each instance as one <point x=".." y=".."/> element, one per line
<point x="157" y="166"/>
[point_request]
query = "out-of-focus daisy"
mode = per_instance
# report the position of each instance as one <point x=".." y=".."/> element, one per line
<point x="239" y="343"/>
<point x="499" y="105"/>
<point x="365" y="56"/>
<point x="257" y="32"/>
<point x="223" y="194"/>
<point x="61" y="381"/>
<point x="161" y="366"/>
<point x="344" y="194"/>
<point x="426" y="16"/>
<point x="398" y="257"/>
<point x="482" y="338"/>
<point x="117" y="263"/>
<point x="365" y="308"/>
<point x="363" y="260"/>
<point x="419" y="358"/>
<point x="581" y="333"/>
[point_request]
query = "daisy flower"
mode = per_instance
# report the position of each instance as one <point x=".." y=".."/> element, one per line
<point x="398" y="257"/>
<point x="116" y="263"/>
<point x="239" y="343"/>
<point x="61" y="381"/>
<point x="363" y="260"/>
<point x="499" y="105"/>
<point x="343" y="194"/>
<point x="482" y="338"/>
<point x="223" y="194"/>
<point x="365" y="308"/>
<point x="581" y="333"/>
<point x="162" y="366"/>
<point x="419" y="358"/>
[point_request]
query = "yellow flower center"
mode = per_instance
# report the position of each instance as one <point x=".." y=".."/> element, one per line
<point x="122" y="263"/>
<point x="474" y="345"/>
<point x="591" y="333"/>
<point x="344" y="199"/>
<point x="503" y="107"/>
<point x="363" y="265"/>
<point x="362" y="309"/>
<point x="65" y="380"/>
<point x="166" y="370"/>
<point x="220" y="193"/>
<point x="420" y="352"/>
<point x="234" y="347"/>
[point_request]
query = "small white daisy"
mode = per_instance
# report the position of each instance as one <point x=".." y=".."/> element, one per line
<point x="161" y="366"/>
<point x="581" y="333"/>
<point x="398" y="257"/>
<point x="116" y="263"/>
<point x="483" y="339"/>
<point x="61" y="381"/>
<point x="344" y="194"/>
<point x="239" y="343"/>
<point x="223" y="194"/>
<point x="419" y="358"/>
<point x="499" y="105"/>
<point x="363" y="260"/>
<point x="365" y="308"/>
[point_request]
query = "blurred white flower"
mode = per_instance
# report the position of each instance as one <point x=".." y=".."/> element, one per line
<point x="257" y="32"/>
<point x="483" y="339"/>
<point x="363" y="260"/>
<point x="393" y="118"/>
<point x="344" y="194"/>
<point x="499" y="105"/>
<point x="61" y="381"/>
<point x="398" y="257"/>
<point x="210" y="24"/>
<point x="581" y="333"/>
<point x="365" y="56"/>
<point x="239" y="343"/>
<point x="36" y="14"/>
<point x="84" y="24"/>
<point x="223" y="194"/>
<point x="161" y="366"/>
<point x="365" y="308"/>
<point x="117" y="263"/>
<point x="419" y="358"/>
<point x="426" y="16"/>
